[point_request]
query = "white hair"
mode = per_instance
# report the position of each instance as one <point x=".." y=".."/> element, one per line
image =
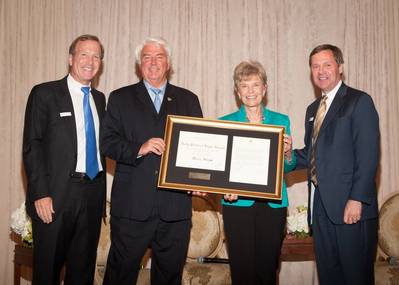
<point x="153" y="40"/>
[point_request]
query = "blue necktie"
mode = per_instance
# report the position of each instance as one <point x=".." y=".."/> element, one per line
<point x="157" y="100"/>
<point x="91" y="148"/>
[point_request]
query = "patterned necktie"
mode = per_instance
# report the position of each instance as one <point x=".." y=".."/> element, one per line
<point x="321" y="111"/>
<point x="157" y="100"/>
<point x="91" y="148"/>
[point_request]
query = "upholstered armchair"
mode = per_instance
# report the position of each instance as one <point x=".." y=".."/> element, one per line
<point x="387" y="266"/>
<point x="207" y="240"/>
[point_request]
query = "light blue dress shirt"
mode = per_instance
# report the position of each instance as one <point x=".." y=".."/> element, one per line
<point x="152" y="95"/>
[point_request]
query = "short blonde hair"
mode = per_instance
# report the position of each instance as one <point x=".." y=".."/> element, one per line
<point x="246" y="69"/>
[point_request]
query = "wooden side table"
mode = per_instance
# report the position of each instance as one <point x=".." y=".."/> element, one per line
<point x="23" y="256"/>
<point x="297" y="249"/>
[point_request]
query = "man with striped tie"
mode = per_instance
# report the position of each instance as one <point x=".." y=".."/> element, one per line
<point x="64" y="169"/>
<point x="341" y="153"/>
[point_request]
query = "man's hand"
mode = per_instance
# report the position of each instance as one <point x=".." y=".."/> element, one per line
<point x="353" y="212"/>
<point x="44" y="209"/>
<point x="287" y="147"/>
<point x="230" y="197"/>
<point x="153" y="145"/>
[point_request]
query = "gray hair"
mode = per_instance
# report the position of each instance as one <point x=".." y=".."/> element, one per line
<point x="154" y="40"/>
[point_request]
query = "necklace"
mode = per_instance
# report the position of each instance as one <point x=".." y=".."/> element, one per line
<point x="260" y="119"/>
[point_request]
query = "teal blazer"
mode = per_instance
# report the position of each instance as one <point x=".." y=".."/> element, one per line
<point x="270" y="118"/>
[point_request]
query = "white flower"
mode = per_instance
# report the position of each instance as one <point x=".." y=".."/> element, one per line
<point x="297" y="221"/>
<point x="21" y="223"/>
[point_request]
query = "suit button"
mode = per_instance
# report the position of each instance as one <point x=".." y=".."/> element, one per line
<point x="156" y="172"/>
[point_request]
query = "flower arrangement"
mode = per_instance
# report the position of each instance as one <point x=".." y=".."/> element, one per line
<point x="22" y="225"/>
<point x="297" y="223"/>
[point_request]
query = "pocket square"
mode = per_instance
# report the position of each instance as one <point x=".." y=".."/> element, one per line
<point x="65" y="114"/>
<point x="169" y="99"/>
<point x="311" y="119"/>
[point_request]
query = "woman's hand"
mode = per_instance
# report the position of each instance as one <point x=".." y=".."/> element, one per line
<point x="230" y="197"/>
<point x="197" y="193"/>
<point x="287" y="147"/>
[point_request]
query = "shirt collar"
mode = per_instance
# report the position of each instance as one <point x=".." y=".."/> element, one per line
<point x="148" y="86"/>
<point x="331" y="95"/>
<point x="75" y="85"/>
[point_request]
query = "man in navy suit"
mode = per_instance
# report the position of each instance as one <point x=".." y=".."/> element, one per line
<point x="141" y="214"/>
<point x="65" y="172"/>
<point x="341" y="153"/>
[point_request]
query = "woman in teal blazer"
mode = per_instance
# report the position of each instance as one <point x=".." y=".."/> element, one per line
<point x="255" y="228"/>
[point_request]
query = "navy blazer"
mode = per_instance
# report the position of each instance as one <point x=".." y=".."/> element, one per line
<point x="50" y="142"/>
<point x="347" y="153"/>
<point x="130" y="121"/>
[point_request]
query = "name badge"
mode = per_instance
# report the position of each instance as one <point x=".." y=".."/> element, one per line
<point x="65" y="114"/>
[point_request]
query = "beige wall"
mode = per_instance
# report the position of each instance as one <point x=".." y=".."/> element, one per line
<point x="209" y="38"/>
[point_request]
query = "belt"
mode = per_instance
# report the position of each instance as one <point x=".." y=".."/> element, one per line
<point x="83" y="176"/>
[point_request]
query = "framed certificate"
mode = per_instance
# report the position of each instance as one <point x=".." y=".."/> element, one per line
<point x="222" y="157"/>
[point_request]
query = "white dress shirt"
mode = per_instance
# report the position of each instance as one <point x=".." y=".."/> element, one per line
<point x="77" y="101"/>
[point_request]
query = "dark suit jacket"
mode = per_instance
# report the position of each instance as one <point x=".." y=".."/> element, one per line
<point x="347" y="152"/>
<point x="130" y="121"/>
<point x="50" y="143"/>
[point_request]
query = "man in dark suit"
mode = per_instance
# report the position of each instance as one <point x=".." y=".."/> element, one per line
<point x="141" y="214"/>
<point x="66" y="180"/>
<point x="341" y="153"/>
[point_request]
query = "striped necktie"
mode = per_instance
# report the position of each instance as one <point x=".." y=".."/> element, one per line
<point x="321" y="111"/>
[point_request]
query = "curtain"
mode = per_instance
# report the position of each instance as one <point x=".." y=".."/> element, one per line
<point x="209" y="38"/>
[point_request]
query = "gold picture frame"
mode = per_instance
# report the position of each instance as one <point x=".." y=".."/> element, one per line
<point x="222" y="157"/>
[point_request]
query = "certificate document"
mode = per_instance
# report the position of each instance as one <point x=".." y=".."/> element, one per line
<point x="250" y="160"/>
<point x="222" y="157"/>
<point x="201" y="150"/>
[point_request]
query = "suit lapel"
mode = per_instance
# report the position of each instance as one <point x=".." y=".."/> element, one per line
<point x="66" y="104"/>
<point x="145" y="98"/>
<point x="97" y="101"/>
<point x="311" y="115"/>
<point x="100" y="112"/>
<point x="335" y="106"/>
<point x="313" y="110"/>
<point x="331" y="113"/>
<point x="169" y="101"/>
